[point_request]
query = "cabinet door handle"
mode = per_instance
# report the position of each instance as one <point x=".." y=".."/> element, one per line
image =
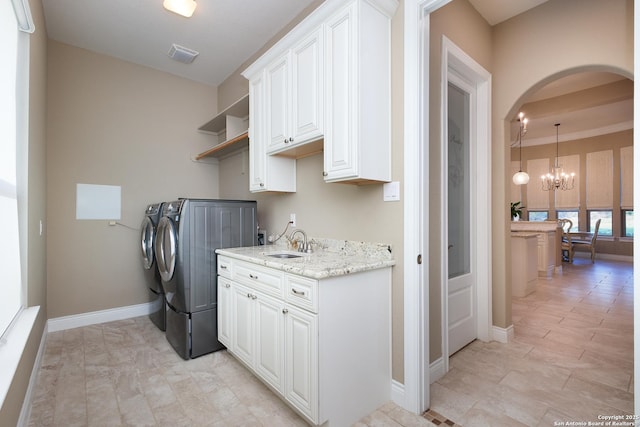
<point x="286" y="140"/>
<point x="248" y="295"/>
<point x="261" y="184"/>
<point x="226" y="285"/>
<point x="324" y="174"/>
<point x="285" y="311"/>
<point x="290" y="139"/>
<point x="297" y="292"/>
<point x="223" y="267"/>
<point x="254" y="296"/>
<point x="253" y="277"/>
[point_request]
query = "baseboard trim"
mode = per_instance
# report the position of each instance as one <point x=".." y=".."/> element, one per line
<point x="397" y="393"/>
<point x="95" y="317"/>
<point x="503" y="335"/>
<point x="436" y="370"/>
<point x="25" y="412"/>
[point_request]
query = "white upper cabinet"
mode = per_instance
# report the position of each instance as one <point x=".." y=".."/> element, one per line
<point x="328" y="86"/>
<point x="357" y="140"/>
<point x="294" y="95"/>
<point x="266" y="173"/>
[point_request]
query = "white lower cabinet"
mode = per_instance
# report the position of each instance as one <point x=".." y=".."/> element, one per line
<point x="314" y="342"/>
<point x="224" y="311"/>
<point x="301" y="361"/>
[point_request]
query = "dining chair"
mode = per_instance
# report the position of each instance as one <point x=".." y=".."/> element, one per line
<point x="587" y="240"/>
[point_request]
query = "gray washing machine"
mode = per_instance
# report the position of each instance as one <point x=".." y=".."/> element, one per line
<point x="189" y="232"/>
<point x="152" y="215"/>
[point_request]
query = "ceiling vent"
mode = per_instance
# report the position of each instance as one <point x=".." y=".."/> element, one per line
<point x="182" y="54"/>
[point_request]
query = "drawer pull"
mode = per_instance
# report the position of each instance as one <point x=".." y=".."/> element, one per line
<point x="226" y="285"/>
<point x="223" y="267"/>
<point x="297" y="292"/>
<point x="253" y="277"/>
<point x="285" y="311"/>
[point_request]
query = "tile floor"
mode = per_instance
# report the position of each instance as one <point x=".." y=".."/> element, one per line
<point x="125" y="373"/>
<point x="571" y="360"/>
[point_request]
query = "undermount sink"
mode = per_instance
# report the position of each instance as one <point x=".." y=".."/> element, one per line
<point x="285" y="255"/>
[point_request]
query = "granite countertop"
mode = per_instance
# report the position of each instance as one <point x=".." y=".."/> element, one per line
<point x="329" y="257"/>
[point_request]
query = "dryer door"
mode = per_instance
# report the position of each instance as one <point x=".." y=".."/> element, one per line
<point x="147" y="236"/>
<point x="166" y="249"/>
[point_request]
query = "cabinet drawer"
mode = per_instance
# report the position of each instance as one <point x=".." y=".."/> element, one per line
<point x="225" y="266"/>
<point x="260" y="278"/>
<point x="301" y="292"/>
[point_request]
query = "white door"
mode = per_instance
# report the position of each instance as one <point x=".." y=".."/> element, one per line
<point x="257" y="135"/>
<point x="269" y="341"/>
<point x="224" y="311"/>
<point x="278" y="101"/>
<point x="242" y="325"/>
<point x="301" y="349"/>
<point x="307" y="89"/>
<point x="461" y="293"/>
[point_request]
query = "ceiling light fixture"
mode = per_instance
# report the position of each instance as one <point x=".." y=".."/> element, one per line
<point x="520" y="178"/>
<point x="181" y="7"/>
<point x="557" y="179"/>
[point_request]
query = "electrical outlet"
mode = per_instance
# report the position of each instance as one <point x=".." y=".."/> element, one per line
<point x="292" y="219"/>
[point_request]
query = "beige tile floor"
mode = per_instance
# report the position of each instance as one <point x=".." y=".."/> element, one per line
<point x="571" y="360"/>
<point x="125" y="373"/>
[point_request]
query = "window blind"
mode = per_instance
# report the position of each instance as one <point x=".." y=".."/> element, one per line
<point x="600" y="180"/>
<point x="537" y="198"/>
<point x="569" y="199"/>
<point x="626" y="177"/>
<point x="516" y="190"/>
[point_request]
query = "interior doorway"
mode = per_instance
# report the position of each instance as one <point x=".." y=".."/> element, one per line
<point x="465" y="201"/>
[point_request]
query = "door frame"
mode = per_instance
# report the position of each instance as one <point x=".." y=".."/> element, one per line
<point x="413" y="395"/>
<point x="456" y="64"/>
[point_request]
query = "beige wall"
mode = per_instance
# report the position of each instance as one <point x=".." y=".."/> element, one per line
<point x="339" y="211"/>
<point x="461" y="24"/>
<point x="115" y="123"/>
<point x="104" y="115"/>
<point x="555" y="39"/>
<point x="32" y="210"/>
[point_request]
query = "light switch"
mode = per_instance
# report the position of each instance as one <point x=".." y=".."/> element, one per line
<point x="391" y="191"/>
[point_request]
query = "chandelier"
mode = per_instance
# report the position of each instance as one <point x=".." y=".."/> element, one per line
<point x="520" y="178"/>
<point x="557" y="179"/>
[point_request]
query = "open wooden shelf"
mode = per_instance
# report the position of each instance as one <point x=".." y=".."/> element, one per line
<point x="226" y="147"/>
<point x="230" y="128"/>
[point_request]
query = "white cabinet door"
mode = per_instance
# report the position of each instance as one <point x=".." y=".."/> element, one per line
<point x="301" y="361"/>
<point x="340" y="156"/>
<point x="243" y="342"/>
<point x="224" y="311"/>
<point x="294" y="95"/>
<point x="257" y="151"/>
<point x="266" y="173"/>
<point x="307" y="89"/>
<point x="357" y="140"/>
<point x="278" y="103"/>
<point x="269" y="340"/>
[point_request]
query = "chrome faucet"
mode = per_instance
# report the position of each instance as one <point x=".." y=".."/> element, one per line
<point x="305" y="247"/>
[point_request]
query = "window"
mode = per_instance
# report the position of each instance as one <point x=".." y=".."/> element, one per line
<point x="570" y="215"/>
<point x="15" y="21"/>
<point x="538" y="215"/>
<point x="627" y="223"/>
<point x="606" y="227"/>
